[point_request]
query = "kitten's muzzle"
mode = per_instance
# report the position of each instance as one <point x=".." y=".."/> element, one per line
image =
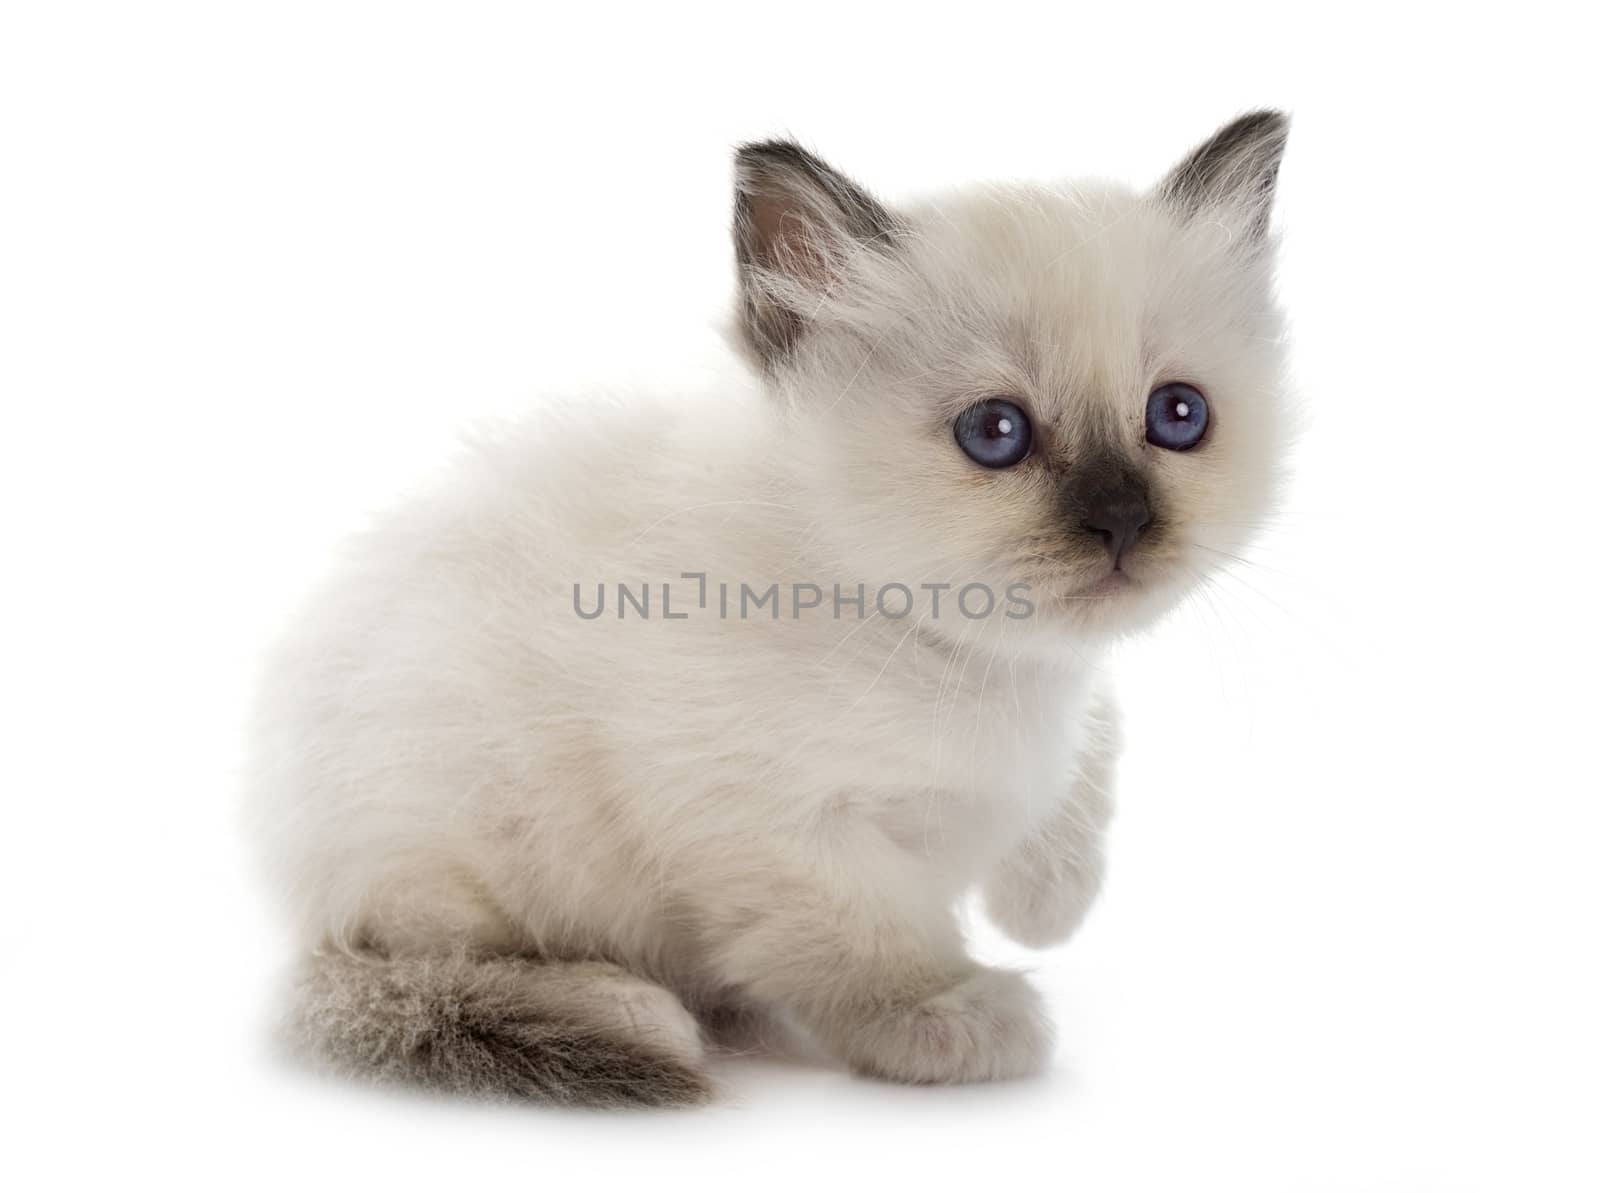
<point x="1109" y="501"/>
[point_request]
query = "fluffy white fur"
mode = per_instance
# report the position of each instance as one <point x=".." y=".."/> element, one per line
<point x="774" y="818"/>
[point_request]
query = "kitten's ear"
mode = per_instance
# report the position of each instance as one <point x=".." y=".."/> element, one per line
<point x="796" y="224"/>
<point x="1234" y="173"/>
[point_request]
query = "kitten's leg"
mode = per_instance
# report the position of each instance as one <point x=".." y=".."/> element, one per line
<point x="883" y="985"/>
<point x="1040" y="893"/>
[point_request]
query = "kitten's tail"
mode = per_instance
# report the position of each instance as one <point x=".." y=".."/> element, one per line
<point x="583" y="1034"/>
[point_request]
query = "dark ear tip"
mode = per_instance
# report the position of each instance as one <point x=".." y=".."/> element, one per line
<point x="770" y="147"/>
<point x="1236" y="166"/>
<point x="755" y="158"/>
<point x="1265" y="120"/>
<point x="1264" y="126"/>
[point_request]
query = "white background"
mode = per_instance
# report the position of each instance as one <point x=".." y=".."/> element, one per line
<point x="259" y="262"/>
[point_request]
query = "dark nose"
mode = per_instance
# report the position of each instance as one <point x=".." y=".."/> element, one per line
<point x="1118" y="516"/>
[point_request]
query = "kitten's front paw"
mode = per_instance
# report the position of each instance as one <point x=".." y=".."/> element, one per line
<point x="1040" y="905"/>
<point x="989" y="1027"/>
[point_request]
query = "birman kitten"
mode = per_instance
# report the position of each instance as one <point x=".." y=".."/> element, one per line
<point x="654" y="723"/>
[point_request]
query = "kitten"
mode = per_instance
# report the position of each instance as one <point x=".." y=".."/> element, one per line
<point x="657" y="722"/>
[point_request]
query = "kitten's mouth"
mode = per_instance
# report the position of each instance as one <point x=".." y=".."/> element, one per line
<point x="1113" y="583"/>
<point x="1066" y="592"/>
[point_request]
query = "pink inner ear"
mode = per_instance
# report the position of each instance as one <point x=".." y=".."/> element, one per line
<point x="786" y="239"/>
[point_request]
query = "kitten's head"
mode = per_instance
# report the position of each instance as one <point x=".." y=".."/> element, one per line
<point x="1076" y="388"/>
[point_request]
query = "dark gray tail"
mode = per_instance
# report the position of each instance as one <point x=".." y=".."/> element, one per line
<point x="502" y="1029"/>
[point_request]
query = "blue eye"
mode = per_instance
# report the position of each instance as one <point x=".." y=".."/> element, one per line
<point x="995" y="433"/>
<point x="1175" y="417"/>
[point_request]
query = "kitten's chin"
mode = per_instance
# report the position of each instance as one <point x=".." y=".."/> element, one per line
<point x="1111" y="605"/>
